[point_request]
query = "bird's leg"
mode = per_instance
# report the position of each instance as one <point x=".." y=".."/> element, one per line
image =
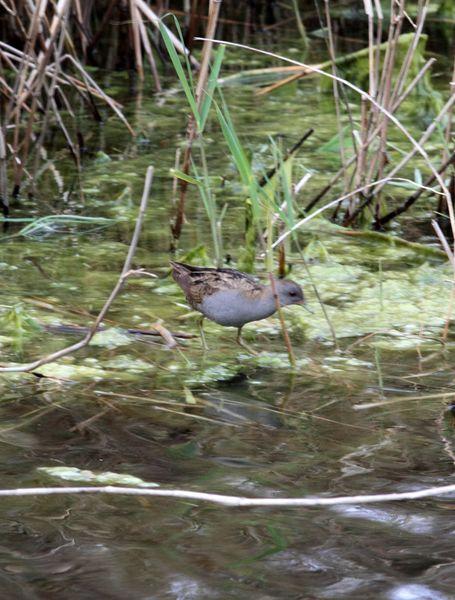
<point x="202" y="334"/>
<point x="240" y="342"/>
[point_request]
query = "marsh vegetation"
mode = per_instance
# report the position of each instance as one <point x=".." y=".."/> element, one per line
<point x="314" y="142"/>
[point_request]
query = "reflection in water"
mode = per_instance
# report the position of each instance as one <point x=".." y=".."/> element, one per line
<point x="410" y="522"/>
<point x="414" y="591"/>
<point x="123" y="547"/>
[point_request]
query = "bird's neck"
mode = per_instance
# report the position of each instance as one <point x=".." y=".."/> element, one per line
<point x="267" y="300"/>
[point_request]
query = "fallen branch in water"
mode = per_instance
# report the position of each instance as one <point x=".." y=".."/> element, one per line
<point x="381" y="221"/>
<point x="126" y="272"/>
<point x="225" y="500"/>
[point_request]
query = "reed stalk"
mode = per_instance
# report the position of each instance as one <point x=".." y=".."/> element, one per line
<point x="197" y="102"/>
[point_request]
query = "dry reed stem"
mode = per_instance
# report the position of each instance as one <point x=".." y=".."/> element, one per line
<point x="20" y="85"/>
<point x="391" y="93"/>
<point x="286" y="338"/>
<point x="30" y="84"/>
<point x="378" y="162"/>
<point x="404" y="70"/>
<point x="336" y="94"/>
<point x="156" y="21"/>
<point x="65" y="78"/>
<point x="191" y="132"/>
<point x="372" y="136"/>
<point x="404" y="161"/>
<point x="444" y="242"/>
<point x="148" y="51"/>
<point x="134" y="11"/>
<point x="419" y="145"/>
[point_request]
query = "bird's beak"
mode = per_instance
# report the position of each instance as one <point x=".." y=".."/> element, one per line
<point x="303" y="304"/>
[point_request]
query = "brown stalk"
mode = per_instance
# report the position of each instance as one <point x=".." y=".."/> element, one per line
<point x="104" y="21"/>
<point x="64" y="78"/>
<point x="34" y="85"/>
<point x="287" y="339"/>
<point x="20" y="85"/>
<point x="281" y="262"/>
<point x="444" y="243"/>
<point x="82" y="28"/>
<point x="90" y="84"/>
<point x="4" y="201"/>
<point x="58" y="22"/>
<point x="148" y="52"/>
<point x="404" y="161"/>
<point x="336" y="94"/>
<point x="377" y="53"/>
<point x="73" y="148"/>
<point x="281" y="251"/>
<point x="374" y="63"/>
<point x="404" y="70"/>
<point x="136" y="38"/>
<point x="191" y="21"/>
<point x="371" y="51"/>
<point x="191" y="132"/>
<point x="372" y="136"/>
<point x="297" y="74"/>
<point x="51" y="104"/>
<point x="361" y="159"/>
<point x="385" y="94"/>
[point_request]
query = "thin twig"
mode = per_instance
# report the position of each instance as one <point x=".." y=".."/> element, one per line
<point x="226" y="500"/>
<point x="126" y="272"/>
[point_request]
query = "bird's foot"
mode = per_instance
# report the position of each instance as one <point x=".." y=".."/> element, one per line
<point x="202" y="334"/>
<point x="248" y="348"/>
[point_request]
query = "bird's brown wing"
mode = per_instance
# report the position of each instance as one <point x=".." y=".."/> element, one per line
<point x="200" y="282"/>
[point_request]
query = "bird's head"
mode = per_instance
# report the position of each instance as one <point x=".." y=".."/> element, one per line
<point x="289" y="292"/>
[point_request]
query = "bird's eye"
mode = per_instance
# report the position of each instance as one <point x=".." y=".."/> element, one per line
<point x="293" y="293"/>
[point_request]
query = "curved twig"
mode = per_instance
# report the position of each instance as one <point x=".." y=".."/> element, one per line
<point x="225" y="500"/>
<point x="126" y="272"/>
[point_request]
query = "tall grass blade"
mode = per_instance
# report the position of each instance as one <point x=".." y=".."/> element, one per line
<point x="180" y="74"/>
<point x="211" y="85"/>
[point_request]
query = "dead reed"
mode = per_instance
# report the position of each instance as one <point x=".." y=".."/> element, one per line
<point x="44" y="51"/>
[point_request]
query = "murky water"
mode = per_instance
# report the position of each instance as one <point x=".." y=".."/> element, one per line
<point x="350" y="422"/>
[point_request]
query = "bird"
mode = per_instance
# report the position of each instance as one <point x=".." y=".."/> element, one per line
<point x="232" y="298"/>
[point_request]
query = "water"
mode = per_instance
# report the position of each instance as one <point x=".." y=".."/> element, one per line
<point x="249" y="426"/>
<point x="258" y="444"/>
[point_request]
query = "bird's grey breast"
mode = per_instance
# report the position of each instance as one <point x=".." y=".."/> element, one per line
<point x="234" y="308"/>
